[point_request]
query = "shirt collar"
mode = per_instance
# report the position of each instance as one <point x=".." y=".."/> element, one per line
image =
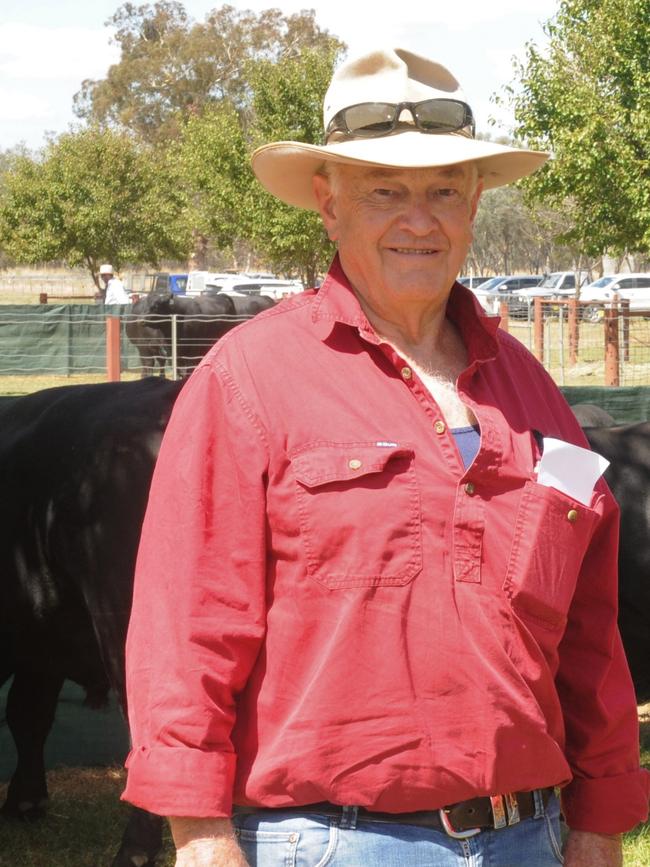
<point x="336" y="303"/>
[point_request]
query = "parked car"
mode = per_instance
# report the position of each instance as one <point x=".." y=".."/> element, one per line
<point x="557" y="283"/>
<point x="632" y="287"/>
<point x="508" y="288"/>
<point x="471" y="282"/>
<point x="272" y="287"/>
<point x="162" y="282"/>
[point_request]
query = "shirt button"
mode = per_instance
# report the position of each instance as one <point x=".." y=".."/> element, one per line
<point x="470" y="489"/>
<point x="572" y="515"/>
<point x="354" y="464"/>
<point x="407" y="373"/>
<point x="440" y="427"/>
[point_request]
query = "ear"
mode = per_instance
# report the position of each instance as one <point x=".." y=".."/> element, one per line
<point x="322" y="187"/>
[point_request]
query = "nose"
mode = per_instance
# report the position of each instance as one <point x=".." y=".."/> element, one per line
<point x="418" y="217"/>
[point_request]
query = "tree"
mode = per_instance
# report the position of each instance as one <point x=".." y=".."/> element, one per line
<point x="171" y="67"/>
<point x="287" y="105"/>
<point x="211" y="160"/>
<point x="587" y="99"/>
<point x="93" y="195"/>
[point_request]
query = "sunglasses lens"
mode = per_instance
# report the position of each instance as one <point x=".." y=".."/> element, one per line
<point x="370" y="118"/>
<point x="441" y="114"/>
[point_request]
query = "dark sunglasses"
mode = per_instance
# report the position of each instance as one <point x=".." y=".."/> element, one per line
<point x="368" y="119"/>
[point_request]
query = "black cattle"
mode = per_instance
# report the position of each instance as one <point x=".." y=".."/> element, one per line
<point x="199" y="325"/>
<point x="590" y="415"/>
<point x="75" y="470"/>
<point x="627" y="448"/>
<point x="150" y="334"/>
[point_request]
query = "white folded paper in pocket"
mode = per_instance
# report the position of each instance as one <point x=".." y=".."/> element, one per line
<point x="570" y="469"/>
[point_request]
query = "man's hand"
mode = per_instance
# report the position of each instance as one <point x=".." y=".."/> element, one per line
<point x="205" y="843"/>
<point x="585" y="849"/>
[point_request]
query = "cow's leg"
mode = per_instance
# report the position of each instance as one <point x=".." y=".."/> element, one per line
<point x="141" y="841"/>
<point x="31" y="705"/>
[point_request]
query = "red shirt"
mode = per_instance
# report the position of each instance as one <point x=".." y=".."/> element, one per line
<point x="328" y="606"/>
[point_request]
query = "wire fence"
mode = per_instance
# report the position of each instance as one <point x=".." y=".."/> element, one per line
<point x="73" y="340"/>
<point x="585" y="344"/>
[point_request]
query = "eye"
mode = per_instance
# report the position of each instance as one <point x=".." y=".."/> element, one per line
<point x="447" y="192"/>
<point x="384" y="193"/>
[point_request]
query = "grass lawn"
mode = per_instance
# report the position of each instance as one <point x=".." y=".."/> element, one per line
<point x="86" y="819"/>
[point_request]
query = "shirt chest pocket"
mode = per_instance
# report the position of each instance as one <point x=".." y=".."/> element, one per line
<point x="551" y="535"/>
<point x="359" y="512"/>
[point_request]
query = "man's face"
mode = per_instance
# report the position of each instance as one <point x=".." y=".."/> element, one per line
<point x="106" y="278"/>
<point x="402" y="234"/>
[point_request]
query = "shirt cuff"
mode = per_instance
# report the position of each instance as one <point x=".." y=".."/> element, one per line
<point x="176" y="781"/>
<point x="609" y="805"/>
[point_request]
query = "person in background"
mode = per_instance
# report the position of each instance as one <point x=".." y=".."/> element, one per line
<point x="114" y="290"/>
<point x="367" y="629"/>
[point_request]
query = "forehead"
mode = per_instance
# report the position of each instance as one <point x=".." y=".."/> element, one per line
<point x="406" y="176"/>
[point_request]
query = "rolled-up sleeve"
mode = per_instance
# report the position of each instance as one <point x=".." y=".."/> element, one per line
<point x="609" y="792"/>
<point x="198" y="616"/>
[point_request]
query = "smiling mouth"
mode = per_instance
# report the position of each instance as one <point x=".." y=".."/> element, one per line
<point x="413" y="252"/>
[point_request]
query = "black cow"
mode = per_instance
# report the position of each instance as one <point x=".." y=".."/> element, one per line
<point x="627" y="448"/>
<point x="75" y="470"/>
<point x="590" y="415"/>
<point x="199" y="325"/>
<point x="150" y="334"/>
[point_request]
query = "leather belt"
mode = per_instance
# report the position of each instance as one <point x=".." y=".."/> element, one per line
<point x="458" y="820"/>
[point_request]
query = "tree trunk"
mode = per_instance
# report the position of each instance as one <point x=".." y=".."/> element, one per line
<point x="198" y="260"/>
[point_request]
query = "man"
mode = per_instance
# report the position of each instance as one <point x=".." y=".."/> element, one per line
<point x="362" y="626"/>
<point x="115" y="293"/>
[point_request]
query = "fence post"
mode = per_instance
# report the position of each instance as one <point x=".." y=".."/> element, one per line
<point x="612" y="367"/>
<point x="625" y="311"/>
<point x="574" y="332"/>
<point x="113" y="348"/>
<point x="174" y="336"/>
<point x="503" y="313"/>
<point x="539" y="331"/>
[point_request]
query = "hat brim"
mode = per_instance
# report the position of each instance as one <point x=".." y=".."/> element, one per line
<point x="286" y="168"/>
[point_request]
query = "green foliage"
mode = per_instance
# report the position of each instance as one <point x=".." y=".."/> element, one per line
<point x="287" y="105"/>
<point x="587" y="99"/>
<point x="93" y="195"/>
<point x="171" y="66"/>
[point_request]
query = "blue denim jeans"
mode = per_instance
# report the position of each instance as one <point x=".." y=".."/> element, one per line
<point x="289" y="839"/>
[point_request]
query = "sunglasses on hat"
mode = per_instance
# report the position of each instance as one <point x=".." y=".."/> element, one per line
<point x="369" y="119"/>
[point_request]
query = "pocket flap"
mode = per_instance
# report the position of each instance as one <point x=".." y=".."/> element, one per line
<point x="328" y="462"/>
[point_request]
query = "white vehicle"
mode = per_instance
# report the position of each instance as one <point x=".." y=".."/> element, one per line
<point x="634" y="288"/>
<point x="197" y="281"/>
<point x="244" y="285"/>
<point x="555" y="284"/>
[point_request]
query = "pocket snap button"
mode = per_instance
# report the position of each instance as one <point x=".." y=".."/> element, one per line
<point x="354" y="464"/>
<point x="572" y="515"/>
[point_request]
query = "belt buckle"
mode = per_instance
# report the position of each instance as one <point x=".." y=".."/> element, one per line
<point x="451" y="832"/>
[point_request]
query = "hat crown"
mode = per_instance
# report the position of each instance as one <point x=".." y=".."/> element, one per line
<point x="389" y="75"/>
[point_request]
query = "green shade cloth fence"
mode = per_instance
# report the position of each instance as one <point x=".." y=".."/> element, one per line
<point x="60" y="339"/>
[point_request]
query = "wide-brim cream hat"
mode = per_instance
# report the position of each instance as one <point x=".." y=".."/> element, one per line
<point x="286" y="168"/>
